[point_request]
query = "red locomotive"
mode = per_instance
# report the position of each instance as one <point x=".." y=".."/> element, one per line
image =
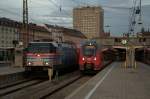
<point x="90" y="57"/>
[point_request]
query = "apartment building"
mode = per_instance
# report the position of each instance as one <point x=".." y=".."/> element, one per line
<point x="11" y="31"/>
<point x="8" y="32"/>
<point x="61" y="34"/>
<point x="89" y="20"/>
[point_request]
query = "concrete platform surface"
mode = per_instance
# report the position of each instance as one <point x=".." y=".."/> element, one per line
<point x="10" y="70"/>
<point x="116" y="82"/>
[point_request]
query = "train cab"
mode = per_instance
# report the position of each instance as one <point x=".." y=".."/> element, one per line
<point x="90" y="57"/>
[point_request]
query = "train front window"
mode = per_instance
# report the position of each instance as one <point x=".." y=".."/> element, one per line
<point x="41" y="48"/>
<point x="89" y="51"/>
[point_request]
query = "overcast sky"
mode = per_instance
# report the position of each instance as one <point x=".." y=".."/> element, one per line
<point x="116" y="12"/>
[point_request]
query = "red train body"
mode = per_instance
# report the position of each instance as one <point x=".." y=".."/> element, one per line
<point x="90" y="58"/>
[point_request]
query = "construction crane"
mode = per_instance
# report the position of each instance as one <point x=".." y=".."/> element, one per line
<point x="25" y="27"/>
<point x="135" y="12"/>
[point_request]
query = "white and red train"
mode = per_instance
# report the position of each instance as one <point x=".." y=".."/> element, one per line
<point x="91" y="57"/>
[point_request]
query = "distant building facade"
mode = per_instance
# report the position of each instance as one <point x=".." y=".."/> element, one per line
<point x="61" y="34"/>
<point x="144" y="34"/>
<point x="106" y="34"/>
<point x="56" y="31"/>
<point x="8" y="32"/>
<point x="72" y="35"/>
<point x="89" y="20"/>
<point x="36" y="32"/>
<point x="11" y="32"/>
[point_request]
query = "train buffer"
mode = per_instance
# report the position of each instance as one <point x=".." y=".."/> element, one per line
<point x="116" y="82"/>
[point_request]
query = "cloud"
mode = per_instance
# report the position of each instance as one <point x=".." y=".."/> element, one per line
<point x="60" y="11"/>
<point x="145" y="2"/>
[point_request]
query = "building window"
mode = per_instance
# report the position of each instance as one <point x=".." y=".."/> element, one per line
<point x="2" y="41"/>
<point x="10" y="29"/>
<point x="2" y="29"/>
<point x="6" y="29"/>
<point x="15" y="31"/>
<point x="142" y="40"/>
<point x="2" y="36"/>
<point x="117" y="40"/>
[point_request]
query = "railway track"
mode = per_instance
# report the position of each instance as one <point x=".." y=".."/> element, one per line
<point x="12" y="88"/>
<point x="70" y="84"/>
<point x="60" y="87"/>
<point x="14" y="83"/>
<point x="66" y="89"/>
<point x="39" y="89"/>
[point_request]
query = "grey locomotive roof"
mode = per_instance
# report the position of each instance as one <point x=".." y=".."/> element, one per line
<point x="56" y="44"/>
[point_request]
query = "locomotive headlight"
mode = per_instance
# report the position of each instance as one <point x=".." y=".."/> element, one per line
<point x="83" y="58"/>
<point x="95" y="58"/>
<point x="29" y="63"/>
<point x="46" y="63"/>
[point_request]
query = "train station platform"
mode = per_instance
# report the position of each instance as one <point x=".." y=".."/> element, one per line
<point x="10" y="74"/>
<point x="5" y="70"/>
<point x="116" y="82"/>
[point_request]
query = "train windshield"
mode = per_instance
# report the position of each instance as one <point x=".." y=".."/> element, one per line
<point x="89" y="51"/>
<point x="41" y="48"/>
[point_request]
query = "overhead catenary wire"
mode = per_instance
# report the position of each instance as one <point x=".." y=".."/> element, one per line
<point x="48" y="16"/>
<point x="18" y="14"/>
<point x="61" y="10"/>
<point x="60" y="7"/>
